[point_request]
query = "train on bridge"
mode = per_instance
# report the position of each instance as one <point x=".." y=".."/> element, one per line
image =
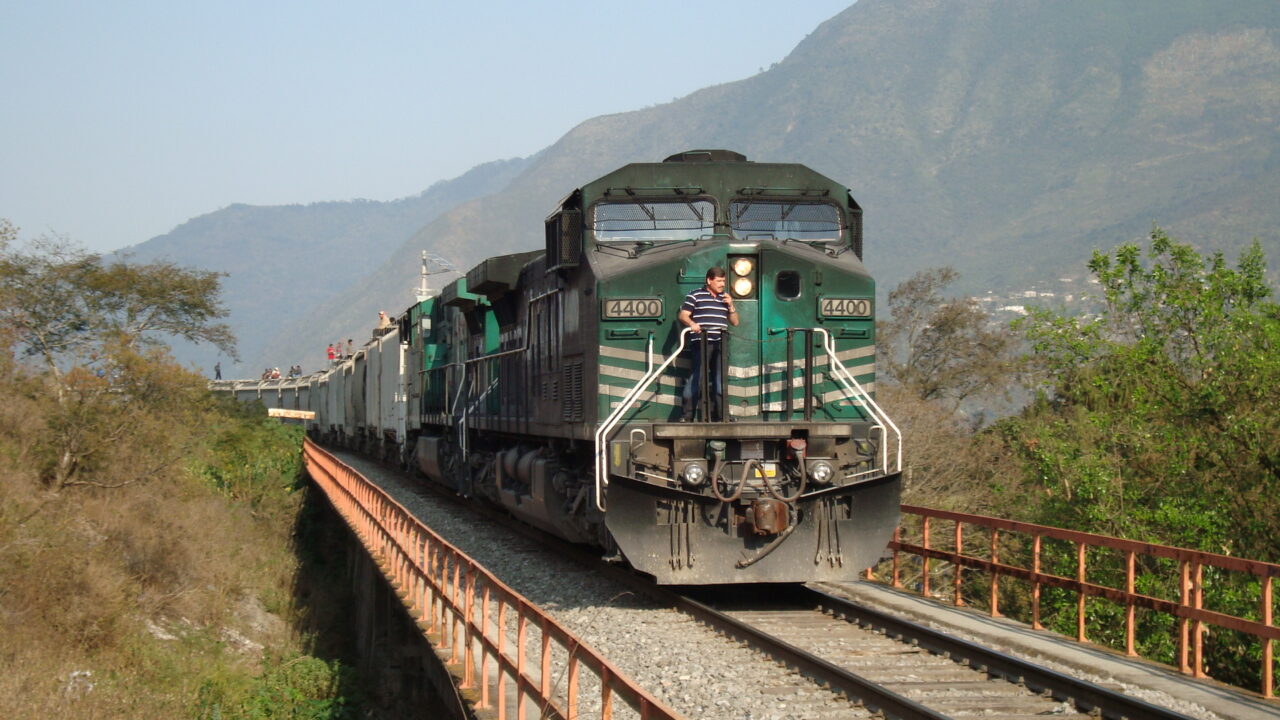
<point x="563" y="384"/>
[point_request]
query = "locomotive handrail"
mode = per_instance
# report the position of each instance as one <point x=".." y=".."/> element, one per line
<point x="528" y="314"/>
<point x="602" y="465"/>
<point x="852" y="385"/>
<point x="512" y="351"/>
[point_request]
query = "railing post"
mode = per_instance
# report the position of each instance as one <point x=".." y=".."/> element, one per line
<point x="1080" y="598"/>
<point x="924" y="559"/>
<point x="995" y="574"/>
<point x="1197" y="626"/>
<point x="957" y="599"/>
<point x="455" y="596"/>
<point x="468" y="654"/>
<point x="1184" y="600"/>
<point x="502" y="652"/>
<point x="606" y="695"/>
<point x="544" y="667"/>
<point x="572" y="697"/>
<point x="1268" y="646"/>
<point x="484" y="647"/>
<point x="1035" y="584"/>
<point x="1130" y="587"/>
<point x="522" y="636"/>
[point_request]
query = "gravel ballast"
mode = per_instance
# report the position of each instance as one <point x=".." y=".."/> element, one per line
<point x="680" y="661"/>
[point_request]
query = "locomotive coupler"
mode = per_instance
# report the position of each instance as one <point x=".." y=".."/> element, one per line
<point x="768" y="516"/>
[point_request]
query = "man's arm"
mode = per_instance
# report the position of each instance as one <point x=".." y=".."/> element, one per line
<point x="686" y="318"/>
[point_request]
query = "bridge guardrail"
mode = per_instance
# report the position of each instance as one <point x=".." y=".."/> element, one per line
<point x="1188" y="609"/>
<point x="462" y="608"/>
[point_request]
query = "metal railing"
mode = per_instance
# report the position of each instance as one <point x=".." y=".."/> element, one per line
<point x="603" y="433"/>
<point x="1192" y="618"/>
<point x="464" y="610"/>
<point x="860" y="395"/>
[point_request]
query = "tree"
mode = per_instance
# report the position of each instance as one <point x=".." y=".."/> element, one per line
<point x="96" y="332"/>
<point x="942" y="349"/>
<point x="64" y="304"/>
<point x="1158" y="420"/>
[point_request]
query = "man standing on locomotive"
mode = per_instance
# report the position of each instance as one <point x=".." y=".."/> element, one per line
<point x="708" y="309"/>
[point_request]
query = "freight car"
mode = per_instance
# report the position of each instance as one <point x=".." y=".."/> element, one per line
<point x="550" y="382"/>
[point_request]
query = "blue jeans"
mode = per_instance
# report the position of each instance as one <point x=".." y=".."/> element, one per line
<point x="693" y="388"/>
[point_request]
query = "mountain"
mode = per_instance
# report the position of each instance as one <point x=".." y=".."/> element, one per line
<point x="281" y="262"/>
<point x="1008" y="138"/>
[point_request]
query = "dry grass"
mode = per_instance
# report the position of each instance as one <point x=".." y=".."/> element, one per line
<point x="947" y="464"/>
<point x="164" y="597"/>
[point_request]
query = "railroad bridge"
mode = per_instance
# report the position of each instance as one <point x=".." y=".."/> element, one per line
<point x="914" y="639"/>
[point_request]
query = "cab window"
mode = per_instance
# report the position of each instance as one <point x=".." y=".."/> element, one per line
<point x="785" y="220"/>
<point x="634" y="221"/>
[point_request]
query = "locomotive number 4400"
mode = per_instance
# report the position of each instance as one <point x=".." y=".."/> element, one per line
<point x="844" y="307"/>
<point x="633" y="308"/>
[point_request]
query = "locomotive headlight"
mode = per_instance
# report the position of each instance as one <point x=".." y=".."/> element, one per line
<point x="694" y="473"/>
<point x="742" y="286"/>
<point x="821" y="472"/>
<point x="742" y="266"/>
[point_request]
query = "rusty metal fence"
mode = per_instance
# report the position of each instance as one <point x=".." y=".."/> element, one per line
<point x="916" y="537"/>
<point x="510" y="656"/>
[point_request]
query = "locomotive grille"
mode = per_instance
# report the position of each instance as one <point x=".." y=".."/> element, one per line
<point x="570" y="237"/>
<point x="571" y="392"/>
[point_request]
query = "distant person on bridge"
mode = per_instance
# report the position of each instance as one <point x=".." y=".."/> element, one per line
<point x="217" y="370"/>
<point x="351" y="348"/>
<point x="331" y="352"/>
<point x="384" y="322"/>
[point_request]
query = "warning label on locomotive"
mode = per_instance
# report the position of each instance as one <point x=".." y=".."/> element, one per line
<point x="632" y="308"/>
<point x="844" y="307"/>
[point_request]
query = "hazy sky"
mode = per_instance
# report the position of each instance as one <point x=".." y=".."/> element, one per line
<point x="122" y="120"/>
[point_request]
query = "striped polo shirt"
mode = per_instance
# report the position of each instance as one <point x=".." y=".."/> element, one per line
<point x="708" y="310"/>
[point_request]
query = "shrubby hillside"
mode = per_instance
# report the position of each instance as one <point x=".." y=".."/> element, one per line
<point x="156" y="558"/>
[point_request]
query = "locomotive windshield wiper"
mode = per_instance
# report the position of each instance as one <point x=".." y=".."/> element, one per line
<point x="632" y="247"/>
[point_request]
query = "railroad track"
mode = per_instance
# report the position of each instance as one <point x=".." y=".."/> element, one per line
<point x="903" y="669"/>
<point x="888" y="665"/>
<point x="848" y="660"/>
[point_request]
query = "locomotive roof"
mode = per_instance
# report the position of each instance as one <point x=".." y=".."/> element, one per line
<point x="714" y="172"/>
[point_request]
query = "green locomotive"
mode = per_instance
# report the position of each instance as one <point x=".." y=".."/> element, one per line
<point x="551" y="382"/>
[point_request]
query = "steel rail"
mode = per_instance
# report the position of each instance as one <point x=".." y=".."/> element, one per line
<point x="1086" y="696"/>
<point x="869" y="693"/>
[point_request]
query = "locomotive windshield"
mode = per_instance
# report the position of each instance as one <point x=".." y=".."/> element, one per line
<point x="653" y="220"/>
<point x="805" y="222"/>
